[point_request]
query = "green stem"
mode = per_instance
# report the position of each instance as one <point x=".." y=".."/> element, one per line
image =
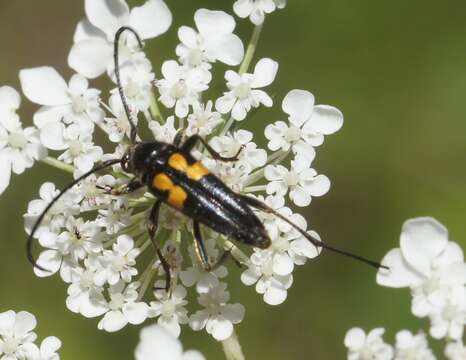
<point x="251" y="49"/>
<point x="58" y="164"/>
<point x="232" y="348"/>
<point x="155" y="109"/>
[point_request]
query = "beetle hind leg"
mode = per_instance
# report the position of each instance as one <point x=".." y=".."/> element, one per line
<point x="152" y="229"/>
<point x="191" y="142"/>
<point x="201" y="252"/>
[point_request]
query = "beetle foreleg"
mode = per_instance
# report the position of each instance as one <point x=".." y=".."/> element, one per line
<point x="127" y="188"/>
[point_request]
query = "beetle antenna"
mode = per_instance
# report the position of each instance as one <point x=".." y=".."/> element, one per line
<point x="44" y="212"/>
<point x="117" y="75"/>
<point x="314" y="241"/>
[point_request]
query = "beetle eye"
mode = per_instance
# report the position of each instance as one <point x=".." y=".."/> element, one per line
<point x="125" y="163"/>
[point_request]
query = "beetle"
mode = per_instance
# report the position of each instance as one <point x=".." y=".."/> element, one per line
<point x="176" y="178"/>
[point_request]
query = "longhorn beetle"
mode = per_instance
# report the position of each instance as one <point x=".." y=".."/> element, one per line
<point x="176" y="178"/>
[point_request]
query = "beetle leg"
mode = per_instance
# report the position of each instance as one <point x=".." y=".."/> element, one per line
<point x="152" y="229"/>
<point x="194" y="139"/>
<point x="127" y="188"/>
<point x="199" y="247"/>
<point x="201" y="252"/>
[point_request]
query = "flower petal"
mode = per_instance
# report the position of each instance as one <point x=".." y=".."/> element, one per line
<point x="107" y="15"/>
<point x="9" y="98"/>
<point x="34" y="81"/>
<point x="5" y="173"/>
<point x="136" y="313"/>
<point x="211" y="22"/>
<point x="51" y="136"/>
<point x="91" y="57"/>
<point x="399" y="274"/>
<point x="151" y="19"/>
<point x="422" y="239"/>
<point x="264" y="72"/>
<point x="326" y="119"/>
<point x="228" y="49"/>
<point x="298" y="104"/>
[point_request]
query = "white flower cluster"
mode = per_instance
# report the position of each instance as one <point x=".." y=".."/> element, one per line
<point x="17" y="338"/>
<point x="94" y="240"/>
<point x="156" y="343"/>
<point x="433" y="268"/>
<point x="362" y="346"/>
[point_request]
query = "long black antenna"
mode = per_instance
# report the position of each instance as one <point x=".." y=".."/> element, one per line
<point x="117" y="75"/>
<point x="316" y="242"/>
<point x="30" y="256"/>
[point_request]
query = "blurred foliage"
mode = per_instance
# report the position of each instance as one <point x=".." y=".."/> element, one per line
<point x="396" y="69"/>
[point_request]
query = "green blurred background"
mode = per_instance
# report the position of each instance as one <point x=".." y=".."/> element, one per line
<point x="397" y="70"/>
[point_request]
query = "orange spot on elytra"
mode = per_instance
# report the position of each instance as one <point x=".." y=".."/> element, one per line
<point x="177" y="197"/>
<point x="162" y="182"/>
<point x="178" y="162"/>
<point x="197" y="171"/>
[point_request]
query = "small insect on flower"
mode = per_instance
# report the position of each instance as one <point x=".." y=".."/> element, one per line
<point x="176" y="178"/>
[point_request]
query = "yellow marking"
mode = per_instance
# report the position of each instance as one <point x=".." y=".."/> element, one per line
<point x="177" y="196"/>
<point x="162" y="182"/>
<point x="196" y="171"/>
<point x="178" y="162"/>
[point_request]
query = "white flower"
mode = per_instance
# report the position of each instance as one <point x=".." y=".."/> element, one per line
<point x="164" y="132"/>
<point x="213" y="41"/>
<point x="19" y="147"/>
<point x="202" y="121"/>
<point x="16" y="336"/>
<point x="261" y="271"/>
<point x="204" y="280"/>
<point x="73" y="103"/>
<point x="249" y="158"/>
<point x="81" y="151"/>
<point x="430" y="265"/>
<point x="49" y="347"/>
<point x="65" y="249"/>
<point x="450" y="319"/>
<point x="170" y="309"/>
<point x="118" y="263"/>
<point x="115" y="216"/>
<point x="256" y="9"/>
<point x="243" y="94"/>
<point x="181" y="86"/>
<point x="412" y="347"/>
<point x="55" y="219"/>
<point x="92" y="51"/>
<point x="217" y="317"/>
<point x="308" y="124"/>
<point x="371" y="346"/>
<point x="156" y="343"/>
<point x="455" y="351"/>
<point x="123" y="308"/>
<point x="301" y="181"/>
<point x="84" y="297"/>
<point x="137" y="79"/>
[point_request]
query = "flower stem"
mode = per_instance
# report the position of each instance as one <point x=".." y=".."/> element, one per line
<point x="251" y="49"/>
<point x="58" y="164"/>
<point x="232" y="348"/>
<point x="155" y="109"/>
